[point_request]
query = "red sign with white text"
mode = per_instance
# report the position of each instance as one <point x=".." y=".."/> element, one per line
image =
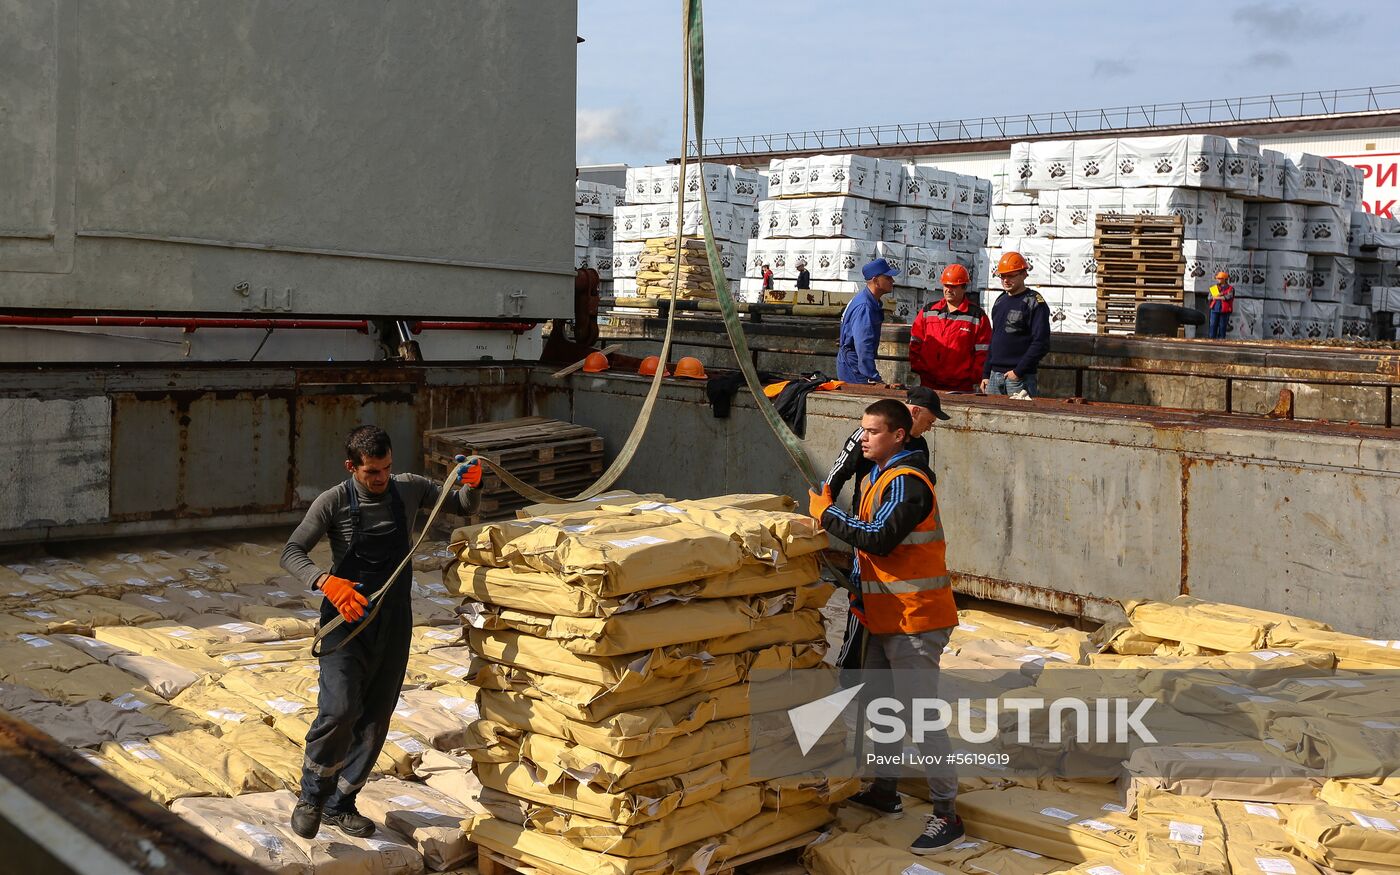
<point x="1381" y="195"/>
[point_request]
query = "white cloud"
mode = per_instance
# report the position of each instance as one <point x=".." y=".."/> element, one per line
<point x="616" y="134"/>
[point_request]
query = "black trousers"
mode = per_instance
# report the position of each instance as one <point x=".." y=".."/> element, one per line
<point x="360" y="686"/>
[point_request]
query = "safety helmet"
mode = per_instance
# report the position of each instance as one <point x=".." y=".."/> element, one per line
<point x="690" y="367"/>
<point x="955" y="275"/>
<point x="649" y="365"/>
<point x="1010" y="262"/>
<point x="595" y="363"/>
<point x="1222" y="276"/>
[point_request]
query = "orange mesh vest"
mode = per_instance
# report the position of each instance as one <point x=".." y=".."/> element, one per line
<point x="907" y="591"/>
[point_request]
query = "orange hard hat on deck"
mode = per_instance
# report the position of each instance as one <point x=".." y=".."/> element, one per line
<point x="1011" y="262"/>
<point x="595" y="362"/>
<point x="690" y="367"/>
<point x="649" y="365"/>
<point x="955" y="275"/>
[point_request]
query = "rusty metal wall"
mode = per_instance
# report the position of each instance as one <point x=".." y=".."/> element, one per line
<point x="146" y="449"/>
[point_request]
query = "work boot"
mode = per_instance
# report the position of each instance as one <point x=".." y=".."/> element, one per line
<point x="306" y="820"/>
<point x="351" y="823"/>
<point x="940" y="831"/>
<point x="879" y="799"/>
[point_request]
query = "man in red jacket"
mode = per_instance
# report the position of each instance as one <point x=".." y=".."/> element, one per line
<point x="949" y="340"/>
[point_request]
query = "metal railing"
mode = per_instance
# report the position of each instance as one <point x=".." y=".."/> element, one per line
<point x="1081" y="121"/>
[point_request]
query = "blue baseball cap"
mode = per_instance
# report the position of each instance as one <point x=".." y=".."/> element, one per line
<point x="878" y="267"/>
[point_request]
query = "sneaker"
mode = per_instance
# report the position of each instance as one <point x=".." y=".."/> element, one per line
<point x="306" y="820"/>
<point x="351" y="822"/>
<point x="875" y="800"/>
<point x="939" y="832"/>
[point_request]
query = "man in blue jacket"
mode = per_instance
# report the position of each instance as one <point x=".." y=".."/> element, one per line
<point x="1020" y="332"/>
<point x="860" y="325"/>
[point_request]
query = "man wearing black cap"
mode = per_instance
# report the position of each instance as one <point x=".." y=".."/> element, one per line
<point x="860" y="326"/>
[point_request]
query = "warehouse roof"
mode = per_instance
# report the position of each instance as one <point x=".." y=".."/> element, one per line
<point x="1353" y="109"/>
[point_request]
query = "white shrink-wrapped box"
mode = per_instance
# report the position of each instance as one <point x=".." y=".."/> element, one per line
<point x="1146" y="161"/>
<point x="751" y="290"/>
<point x="1258" y="264"/>
<point x="842" y="216"/>
<point x="600" y="258"/>
<point x="1205" y="161"/>
<point x="840" y="260"/>
<point x="743" y="186"/>
<point x="1025" y="220"/>
<point x="1281" y="226"/>
<point x="794" y="177"/>
<point x="1355" y="186"/>
<point x="716" y="181"/>
<point x="732" y="255"/>
<point x="1273" y="175"/>
<point x="1325" y="230"/>
<point x="595" y="198"/>
<point x="625" y="257"/>
<point x="1332" y="278"/>
<point x="914" y="191"/>
<point x="939" y="225"/>
<point x="1204" y="260"/>
<point x="1385" y="299"/>
<point x="1287" y="276"/>
<point x="940" y="187"/>
<point x="1074" y="216"/>
<point x="981" y="197"/>
<point x="916" y="269"/>
<point x="889" y="180"/>
<point x="907" y="225"/>
<point x="776" y="169"/>
<point x="1019" y="170"/>
<point x="1005" y="194"/>
<point x="1183" y="202"/>
<point x="1072" y="261"/>
<point x="1047" y="215"/>
<point x="1305" y="181"/>
<point x="1106" y="202"/>
<point x="961" y="240"/>
<point x="1242" y="167"/>
<point x="1142" y="202"/>
<point x="893" y="253"/>
<point x="761" y="252"/>
<point x="624" y="288"/>
<point x="1230" y="220"/>
<point x="1283" y="320"/>
<point x="842" y="174"/>
<point x="581" y="235"/>
<point x="979" y="228"/>
<point x="939" y="257"/>
<point x="1237" y="264"/>
<point x="799" y="254"/>
<point x="1355" y="322"/>
<point x="962" y="193"/>
<point x="1247" y="322"/>
<point x="748" y="217"/>
<point x="600" y="231"/>
<point x="1319" y="320"/>
<point x="999" y="228"/>
<point x="1249" y="227"/>
<point x="802" y="218"/>
<point x="627" y="222"/>
<point x="580" y="257"/>
<point x="1095" y="163"/>
<point x="772" y="219"/>
<point x="1052" y="164"/>
<point x="1079" y="311"/>
<point x="1037" y="251"/>
<point x="1359" y="232"/>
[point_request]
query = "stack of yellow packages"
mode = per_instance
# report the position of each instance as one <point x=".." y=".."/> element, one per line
<point x="661" y="261"/>
<point x="620" y="704"/>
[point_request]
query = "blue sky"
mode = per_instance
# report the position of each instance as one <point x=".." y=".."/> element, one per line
<point x="782" y="65"/>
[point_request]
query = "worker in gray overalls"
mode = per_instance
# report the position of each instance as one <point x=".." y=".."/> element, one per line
<point x="368" y="519"/>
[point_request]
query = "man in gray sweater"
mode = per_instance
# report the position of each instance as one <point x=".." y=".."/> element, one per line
<point x="369" y="521"/>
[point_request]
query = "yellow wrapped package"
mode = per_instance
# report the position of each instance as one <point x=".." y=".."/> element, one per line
<point x="431" y="821"/>
<point x="1378" y="793"/>
<point x="769" y="828"/>
<point x="630" y="733"/>
<point x="26" y="652"/>
<point x="1254" y="773"/>
<point x="151" y="772"/>
<point x="554" y="855"/>
<point x="96" y="681"/>
<point x="212" y="702"/>
<point x="642" y="804"/>
<point x="382" y="854"/>
<point x="1345" y="838"/>
<point x="614" y="565"/>
<point x="271" y="749"/>
<point x="855" y="854"/>
<point x="556" y="759"/>
<point x="1180" y="834"/>
<point x="227" y="821"/>
<point x="1254" y="825"/>
<point x="1343" y="747"/>
<point x="1352" y="651"/>
<point x="615" y="501"/>
<point x="696" y="822"/>
<point x="227" y="768"/>
<point x="1059" y="825"/>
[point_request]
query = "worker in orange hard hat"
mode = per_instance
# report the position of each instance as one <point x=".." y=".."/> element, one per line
<point x="949" y="341"/>
<point x="649" y="365"/>
<point x="595" y="363"/>
<point x="1222" y="304"/>
<point x="1020" y="332"/>
<point x="690" y="367"/>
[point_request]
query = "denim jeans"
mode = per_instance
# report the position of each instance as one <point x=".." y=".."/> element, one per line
<point x="1219" y="325"/>
<point x="997" y="384"/>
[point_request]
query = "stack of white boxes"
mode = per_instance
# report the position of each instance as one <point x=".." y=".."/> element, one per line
<point x="649" y="212"/>
<point x="835" y="213"/>
<point x="594" y="203"/>
<point x="1278" y="224"/>
<point x="1374" y="241"/>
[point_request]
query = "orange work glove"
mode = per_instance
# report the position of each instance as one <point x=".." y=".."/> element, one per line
<point x="818" y="502"/>
<point x="471" y="475"/>
<point x="342" y="594"/>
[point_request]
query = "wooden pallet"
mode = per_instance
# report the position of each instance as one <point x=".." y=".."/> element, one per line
<point x="493" y="862"/>
<point x="523" y="442"/>
<point x="1140" y="281"/>
<point x="1132" y="266"/>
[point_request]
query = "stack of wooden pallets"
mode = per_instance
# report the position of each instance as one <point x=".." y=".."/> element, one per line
<point x="1139" y="261"/>
<point x="557" y="457"/>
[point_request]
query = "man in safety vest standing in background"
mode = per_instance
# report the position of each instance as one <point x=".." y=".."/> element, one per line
<point x="1222" y="304"/>
<point x="950" y="338"/>
<point x="369" y="519"/>
<point x="906" y="602"/>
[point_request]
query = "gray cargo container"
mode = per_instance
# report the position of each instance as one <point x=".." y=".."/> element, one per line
<point x="346" y="157"/>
